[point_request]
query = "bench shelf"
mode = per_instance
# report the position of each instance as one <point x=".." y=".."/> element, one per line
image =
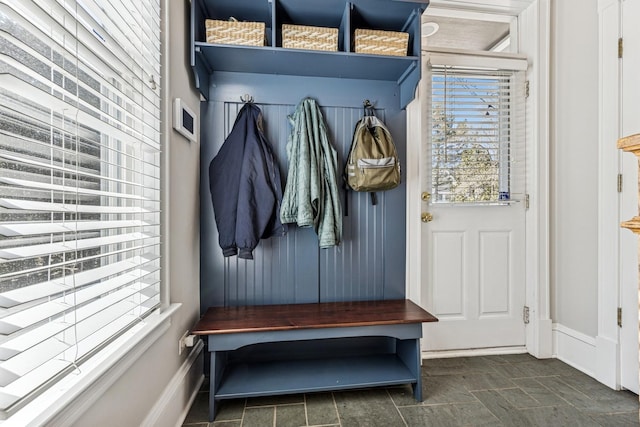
<point x="312" y="375"/>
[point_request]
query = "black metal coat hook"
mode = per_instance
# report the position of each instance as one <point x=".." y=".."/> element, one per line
<point x="368" y="108"/>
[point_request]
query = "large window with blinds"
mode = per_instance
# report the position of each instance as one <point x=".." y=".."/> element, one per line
<point x="476" y="142"/>
<point x="79" y="183"/>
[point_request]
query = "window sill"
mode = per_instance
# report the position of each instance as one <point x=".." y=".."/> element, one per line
<point x="69" y="398"/>
<point x="505" y="202"/>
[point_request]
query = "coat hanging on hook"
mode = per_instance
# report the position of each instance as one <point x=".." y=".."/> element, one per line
<point x="311" y="197"/>
<point x="246" y="189"/>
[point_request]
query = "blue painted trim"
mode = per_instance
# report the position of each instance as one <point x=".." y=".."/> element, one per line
<point x="227" y="342"/>
<point x="289" y="90"/>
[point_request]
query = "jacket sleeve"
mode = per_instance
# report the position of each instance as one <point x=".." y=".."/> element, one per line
<point x="330" y="228"/>
<point x="224" y="182"/>
<point x="258" y="193"/>
<point x="289" y="208"/>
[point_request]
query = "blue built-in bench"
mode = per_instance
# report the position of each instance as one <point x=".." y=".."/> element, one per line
<point x="299" y="348"/>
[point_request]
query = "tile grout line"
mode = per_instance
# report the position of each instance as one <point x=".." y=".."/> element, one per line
<point x="275" y="404"/>
<point x="244" y="409"/>
<point x="306" y="412"/>
<point x="396" y="406"/>
<point x="275" y="414"/>
<point x="335" y="405"/>
<point x="531" y="397"/>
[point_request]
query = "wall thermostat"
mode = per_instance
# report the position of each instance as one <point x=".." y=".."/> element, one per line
<point x="185" y="120"/>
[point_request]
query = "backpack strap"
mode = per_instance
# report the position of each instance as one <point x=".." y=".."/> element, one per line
<point x="346" y="194"/>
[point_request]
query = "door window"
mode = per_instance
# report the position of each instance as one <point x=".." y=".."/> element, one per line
<point x="475" y="147"/>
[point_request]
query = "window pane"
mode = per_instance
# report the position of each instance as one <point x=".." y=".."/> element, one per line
<point x="79" y="183"/>
<point x="473" y="150"/>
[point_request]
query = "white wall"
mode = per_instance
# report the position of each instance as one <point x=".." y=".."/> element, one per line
<point x="157" y="389"/>
<point x="574" y="165"/>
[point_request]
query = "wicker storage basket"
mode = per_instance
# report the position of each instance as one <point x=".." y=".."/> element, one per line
<point x="235" y="32"/>
<point x="310" y="38"/>
<point x="377" y="42"/>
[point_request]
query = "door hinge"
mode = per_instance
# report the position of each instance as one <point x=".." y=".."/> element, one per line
<point x="526" y="201"/>
<point x="526" y="89"/>
<point x="525" y="315"/>
<point x="620" y="47"/>
<point x="620" y="317"/>
<point x="619" y="183"/>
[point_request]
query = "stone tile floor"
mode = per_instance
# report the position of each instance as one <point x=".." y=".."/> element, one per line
<point x="510" y="390"/>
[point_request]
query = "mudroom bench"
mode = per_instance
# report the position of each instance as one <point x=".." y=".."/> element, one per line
<point x="298" y="348"/>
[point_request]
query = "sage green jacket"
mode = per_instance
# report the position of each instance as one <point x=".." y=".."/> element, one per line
<point x="311" y="196"/>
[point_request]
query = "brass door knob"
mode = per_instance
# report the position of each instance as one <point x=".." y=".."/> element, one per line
<point x="427" y="217"/>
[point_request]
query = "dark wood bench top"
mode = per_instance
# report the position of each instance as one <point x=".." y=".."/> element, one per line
<point x="226" y="320"/>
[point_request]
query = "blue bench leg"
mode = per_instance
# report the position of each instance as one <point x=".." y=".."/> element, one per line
<point x="214" y="380"/>
<point x="409" y="352"/>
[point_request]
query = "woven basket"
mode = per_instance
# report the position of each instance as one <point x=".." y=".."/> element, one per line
<point x="234" y="32"/>
<point x="377" y="42"/>
<point x="310" y="38"/>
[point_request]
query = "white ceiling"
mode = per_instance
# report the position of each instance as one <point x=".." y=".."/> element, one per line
<point x="471" y="24"/>
<point x="459" y="33"/>
<point x="507" y="7"/>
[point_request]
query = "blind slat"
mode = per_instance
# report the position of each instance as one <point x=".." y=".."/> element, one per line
<point x="37" y="163"/>
<point x="52" y="287"/>
<point x="70" y="245"/>
<point x="30" y="229"/>
<point x="70" y="208"/>
<point x="68" y="189"/>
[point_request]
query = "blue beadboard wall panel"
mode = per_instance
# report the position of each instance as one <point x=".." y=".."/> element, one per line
<point x="212" y="266"/>
<point x="370" y="262"/>
<point x="395" y="202"/>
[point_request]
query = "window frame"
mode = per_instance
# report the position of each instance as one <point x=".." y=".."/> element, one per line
<point x="483" y="63"/>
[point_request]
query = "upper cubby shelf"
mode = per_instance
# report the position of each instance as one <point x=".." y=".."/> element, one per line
<point x="272" y="58"/>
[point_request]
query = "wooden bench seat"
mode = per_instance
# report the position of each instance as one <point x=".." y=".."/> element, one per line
<point x="298" y="348"/>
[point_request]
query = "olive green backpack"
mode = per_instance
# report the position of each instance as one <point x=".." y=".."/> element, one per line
<point x="373" y="163"/>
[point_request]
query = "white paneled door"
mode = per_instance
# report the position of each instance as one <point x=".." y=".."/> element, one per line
<point x="473" y="257"/>
<point x="475" y="276"/>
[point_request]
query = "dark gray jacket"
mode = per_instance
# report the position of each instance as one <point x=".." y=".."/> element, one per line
<point x="245" y="185"/>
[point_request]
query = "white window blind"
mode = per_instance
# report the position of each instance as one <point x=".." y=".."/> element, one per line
<point x="477" y="145"/>
<point x="79" y="183"/>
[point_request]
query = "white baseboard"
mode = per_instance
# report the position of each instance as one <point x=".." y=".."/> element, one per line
<point x="173" y="405"/>
<point x="575" y="349"/>
<point x="540" y="338"/>
<point x="472" y="352"/>
<point x="607" y="362"/>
